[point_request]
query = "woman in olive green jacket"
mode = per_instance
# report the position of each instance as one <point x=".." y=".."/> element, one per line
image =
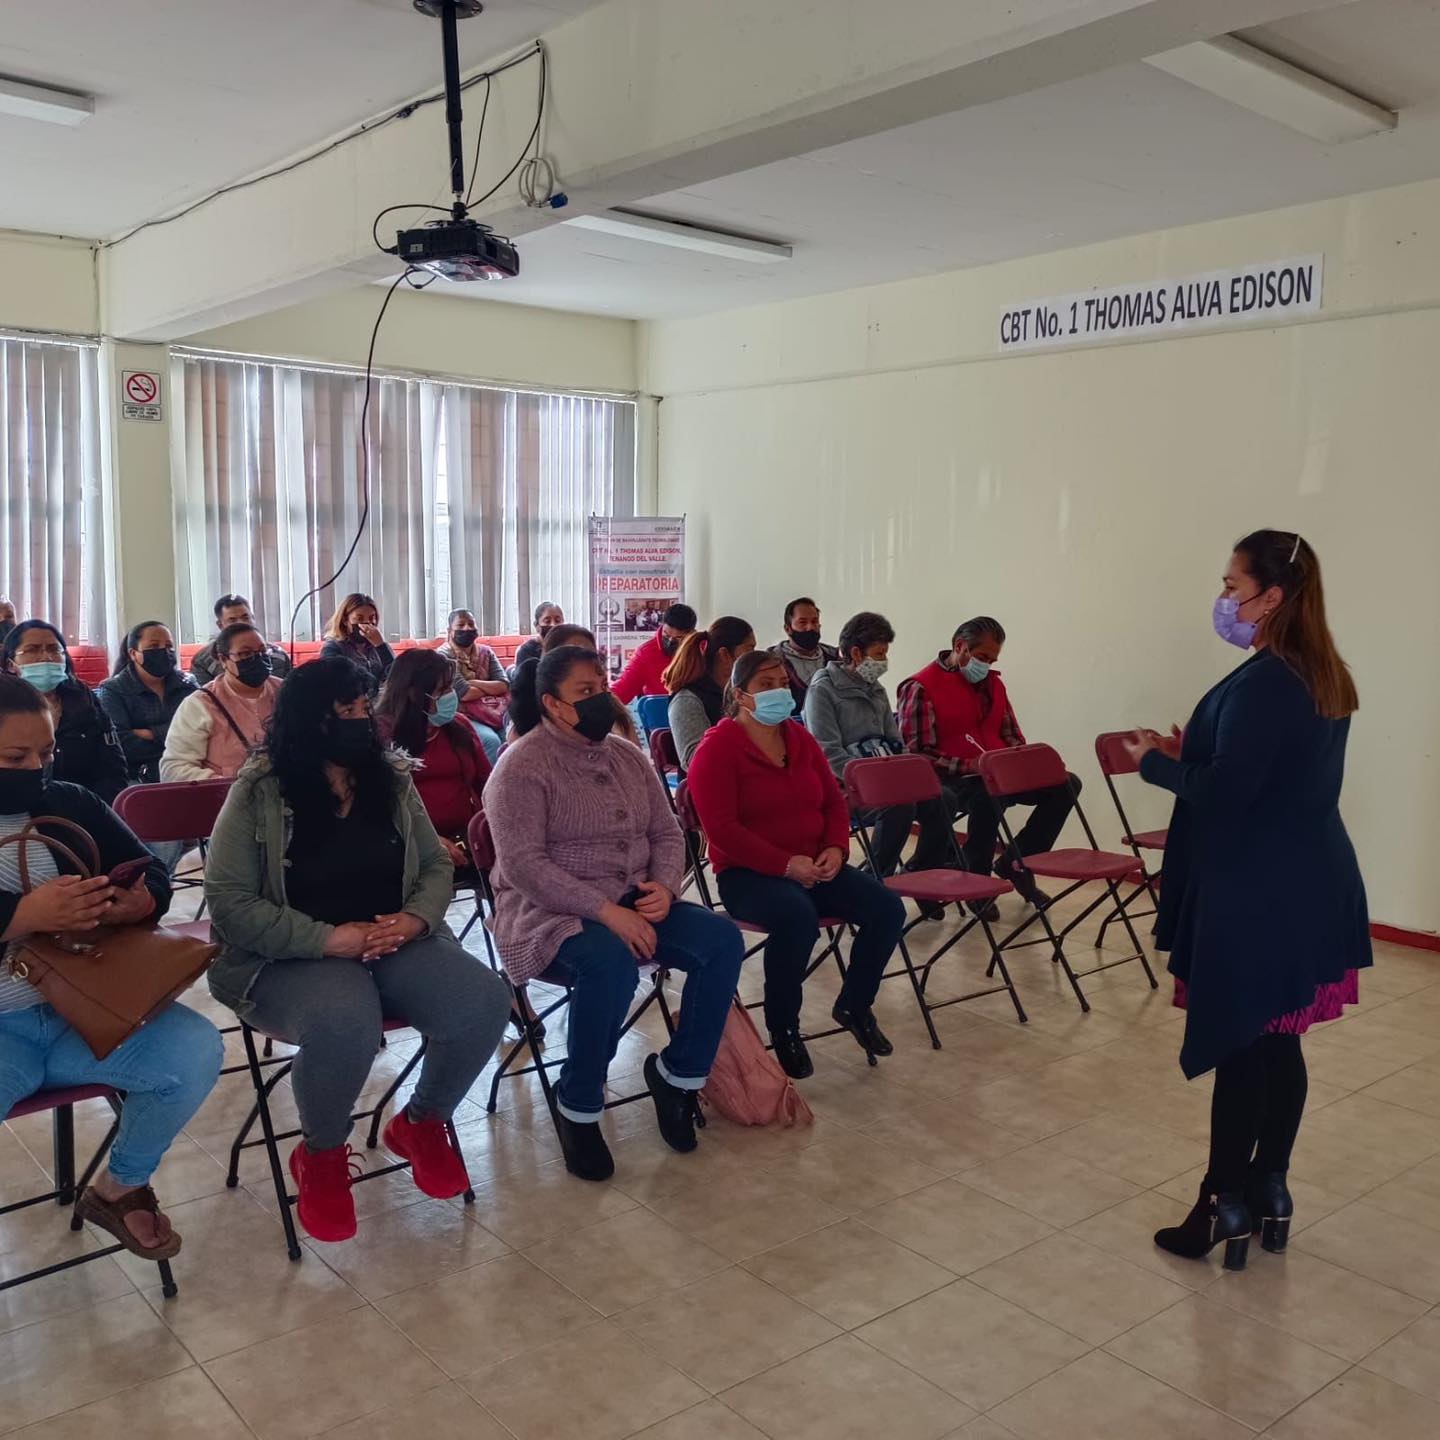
<point x="328" y="888"/>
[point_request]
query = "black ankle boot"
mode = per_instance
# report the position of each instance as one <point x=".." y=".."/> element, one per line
<point x="1271" y="1208"/>
<point x="677" y="1111"/>
<point x="790" y="1051"/>
<point x="1215" y="1218"/>
<point x="587" y="1156"/>
<point x="863" y="1026"/>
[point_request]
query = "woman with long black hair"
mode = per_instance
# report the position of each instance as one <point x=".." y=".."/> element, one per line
<point x="1262" y="907"/>
<point x="696" y="679"/>
<point x="329" y="886"/>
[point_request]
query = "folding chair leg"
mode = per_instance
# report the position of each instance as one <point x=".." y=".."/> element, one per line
<point x="168" y="1288"/>
<point x="469" y="1193"/>
<point x="272" y="1150"/>
<point x="96" y="1160"/>
<point x="63" y="1130"/>
<point x="998" y="959"/>
<point x="1058" y="957"/>
<point x="378" y="1114"/>
<point x="232" y="1176"/>
<point x="1134" y="939"/>
<point x="919" y="996"/>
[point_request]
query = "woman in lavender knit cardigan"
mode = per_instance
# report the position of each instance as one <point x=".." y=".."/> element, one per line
<point x="590" y="860"/>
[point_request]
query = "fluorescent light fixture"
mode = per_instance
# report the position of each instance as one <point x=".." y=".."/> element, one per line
<point x="1248" y="77"/>
<point x="44" y="102"/>
<point x="680" y="236"/>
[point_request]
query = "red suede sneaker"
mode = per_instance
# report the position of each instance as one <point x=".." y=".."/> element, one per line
<point x="325" y="1207"/>
<point x="434" y="1162"/>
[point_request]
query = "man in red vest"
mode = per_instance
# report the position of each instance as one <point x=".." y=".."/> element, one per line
<point x="952" y="712"/>
<point x="644" y="675"/>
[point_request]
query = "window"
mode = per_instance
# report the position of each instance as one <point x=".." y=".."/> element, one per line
<point x="478" y="495"/>
<point x="56" y="558"/>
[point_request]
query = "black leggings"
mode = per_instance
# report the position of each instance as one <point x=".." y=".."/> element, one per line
<point x="1255" y="1113"/>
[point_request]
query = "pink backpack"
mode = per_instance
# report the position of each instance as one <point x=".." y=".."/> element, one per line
<point x="746" y="1083"/>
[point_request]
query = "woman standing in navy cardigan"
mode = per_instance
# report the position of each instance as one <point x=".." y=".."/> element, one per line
<point x="1261" y="902"/>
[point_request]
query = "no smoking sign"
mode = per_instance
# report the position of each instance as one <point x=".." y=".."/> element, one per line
<point x="140" y="395"/>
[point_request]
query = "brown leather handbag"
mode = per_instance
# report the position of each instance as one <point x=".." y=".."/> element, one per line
<point x="106" y="982"/>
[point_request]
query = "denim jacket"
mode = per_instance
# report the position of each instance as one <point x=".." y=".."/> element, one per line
<point x="245" y="879"/>
<point x="131" y="706"/>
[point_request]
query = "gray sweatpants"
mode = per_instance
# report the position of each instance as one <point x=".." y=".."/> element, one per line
<point x="332" y="1010"/>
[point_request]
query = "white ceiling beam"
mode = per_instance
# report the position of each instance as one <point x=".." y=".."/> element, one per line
<point x="1246" y="76"/>
<point x="646" y="97"/>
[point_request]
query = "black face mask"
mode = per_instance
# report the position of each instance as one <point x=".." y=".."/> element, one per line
<point x="351" y="742"/>
<point x="6" y="626"/>
<point x="669" y="645"/>
<point x="22" y="791"/>
<point x="594" y="716"/>
<point x="253" y="670"/>
<point x="806" y="640"/>
<point x="465" y="638"/>
<point x="158" y="663"/>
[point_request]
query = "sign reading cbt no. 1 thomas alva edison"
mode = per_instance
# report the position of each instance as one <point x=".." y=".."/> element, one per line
<point x="1248" y="294"/>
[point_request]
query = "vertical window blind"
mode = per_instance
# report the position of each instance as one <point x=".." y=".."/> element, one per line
<point x="478" y="496"/>
<point x="56" y="554"/>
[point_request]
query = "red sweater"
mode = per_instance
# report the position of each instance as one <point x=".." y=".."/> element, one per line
<point x="642" y="675"/>
<point x="451" y="779"/>
<point x="758" y="815"/>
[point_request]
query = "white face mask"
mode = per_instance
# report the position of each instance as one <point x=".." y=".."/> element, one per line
<point x="871" y="670"/>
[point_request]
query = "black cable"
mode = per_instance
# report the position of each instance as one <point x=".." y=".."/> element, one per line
<point x="408" y="205"/>
<point x="534" y="132"/>
<point x="364" y="462"/>
<point x="403" y="113"/>
<point x="479" y="136"/>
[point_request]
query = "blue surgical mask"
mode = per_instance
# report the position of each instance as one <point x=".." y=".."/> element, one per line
<point x="446" y="708"/>
<point x="773" y="707"/>
<point x="975" y="670"/>
<point x="44" y="675"/>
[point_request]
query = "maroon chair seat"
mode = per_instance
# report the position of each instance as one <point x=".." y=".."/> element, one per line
<point x="172" y="810"/>
<point x="1082" y="865"/>
<point x="948" y="887"/>
<point x="751" y="928"/>
<point x="54" y="1099"/>
<point x="1147" y="839"/>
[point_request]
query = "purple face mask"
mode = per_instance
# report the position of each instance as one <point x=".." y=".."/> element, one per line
<point x="1228" y="624"/>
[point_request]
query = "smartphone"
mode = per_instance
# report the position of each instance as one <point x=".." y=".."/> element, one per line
<point x="128" y="872"/>
<point x="631" y="898"/>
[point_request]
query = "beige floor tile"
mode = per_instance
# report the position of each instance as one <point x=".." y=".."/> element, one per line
<point x="1415" y="1088"/>
<point x="1393" y="1251"/>
<point x="853" y="1172"/>
<point x="1412" y="1358"/>
<point x="848" y="1272"/>
<point x="726" y="1328"/>
<point x="1386" y="1034"/>
<point x="857" y="1097"/>
<point x="1093" y="1295"/>
<point x="315" y="1379"/>
<point x="403" y="1248"/>
<point x="490" y="1312"/>
<point x="494" y="1147"/>
<point x="599" y="1383"/>
<point x="760" y="1145"/>
<point x="1031" y="1105"/>
<point x="1361" y="1406"/>
<point x="980" y="1348"/>
<point x="943" y="1136"/>
<point x="710" y="1421"/>
<point x="983" y="1428"/>
<point x="846" y="1391"/>
<point x="1180" y="1106"/>
<point x="1128" y="1230"/>
<point x="1344" y="1165"/>
<point x="1049" y="1184"/>
<point x="1413" y="1195"/>
<point x="445" y="1413"/>
<point x="1345" y="1067"/>
<point x="1407" y="1135"/>
<point x="524" y="1208"/>
<point x="237" y="1285"/>
<point x="175" y="1407"/>
<point x="42" y="1236"/>
<point x="1321" y="1303"/>
<point x="620" y="1263"/>
<point x="743" y="1212"/>
<point x="647" y="1169"/>
<point x="1252" y="1372"/>
<point x="1102" y="1398"/>
<point x="1143" y="1154"/>
<point x="955" y="1226"/>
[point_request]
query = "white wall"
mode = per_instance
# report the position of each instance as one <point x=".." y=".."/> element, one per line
<point x="47" y="283"/>
<point x="871" y="448"/>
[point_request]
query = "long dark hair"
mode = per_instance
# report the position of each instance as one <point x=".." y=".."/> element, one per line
<point x="1297" y="630"/>
<point x="354" y="601"/>
<point x="12" y="643"/>
<point x="19" y="697"/>
<point x="698" y="650"/>
<point x="544" y="677"/>
<point x="132" y="642"/>
<point x="403" y="706"/>
<point x="295" y="742"/>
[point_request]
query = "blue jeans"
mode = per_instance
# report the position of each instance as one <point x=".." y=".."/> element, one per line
<point x="166" y="1070"/>
<point x="791" y="915"/>
<point x="603" y="972"/>
<point x="490" y="740"/>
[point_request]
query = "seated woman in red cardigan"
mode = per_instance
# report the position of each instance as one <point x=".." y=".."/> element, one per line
<point x="779" y="833"/>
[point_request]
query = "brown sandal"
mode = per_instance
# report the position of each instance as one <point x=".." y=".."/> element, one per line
<point x="110" y="1215"/>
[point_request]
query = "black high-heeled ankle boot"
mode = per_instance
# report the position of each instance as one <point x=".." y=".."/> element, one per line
<point x="1271" y="1208"/>
<point x="1216" y="1218"/>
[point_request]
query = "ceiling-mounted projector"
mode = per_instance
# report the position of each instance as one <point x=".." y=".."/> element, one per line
<point x="456" y="248"/>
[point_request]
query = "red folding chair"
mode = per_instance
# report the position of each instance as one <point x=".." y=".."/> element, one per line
<point x="174" y="810"/>
<point x="1018" y="771"/>
<point x="68" y="1189"/>
<point x="1115" y="760"/>
<point x="886" y="781"/>
<point x="481" y="846"/>
<point x="666" y="760"/>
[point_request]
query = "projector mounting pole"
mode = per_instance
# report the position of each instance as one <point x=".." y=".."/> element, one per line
<point x="449" y="12"/>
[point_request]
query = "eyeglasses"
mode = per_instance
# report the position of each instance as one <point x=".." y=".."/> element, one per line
<point x="41" y="652"/>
